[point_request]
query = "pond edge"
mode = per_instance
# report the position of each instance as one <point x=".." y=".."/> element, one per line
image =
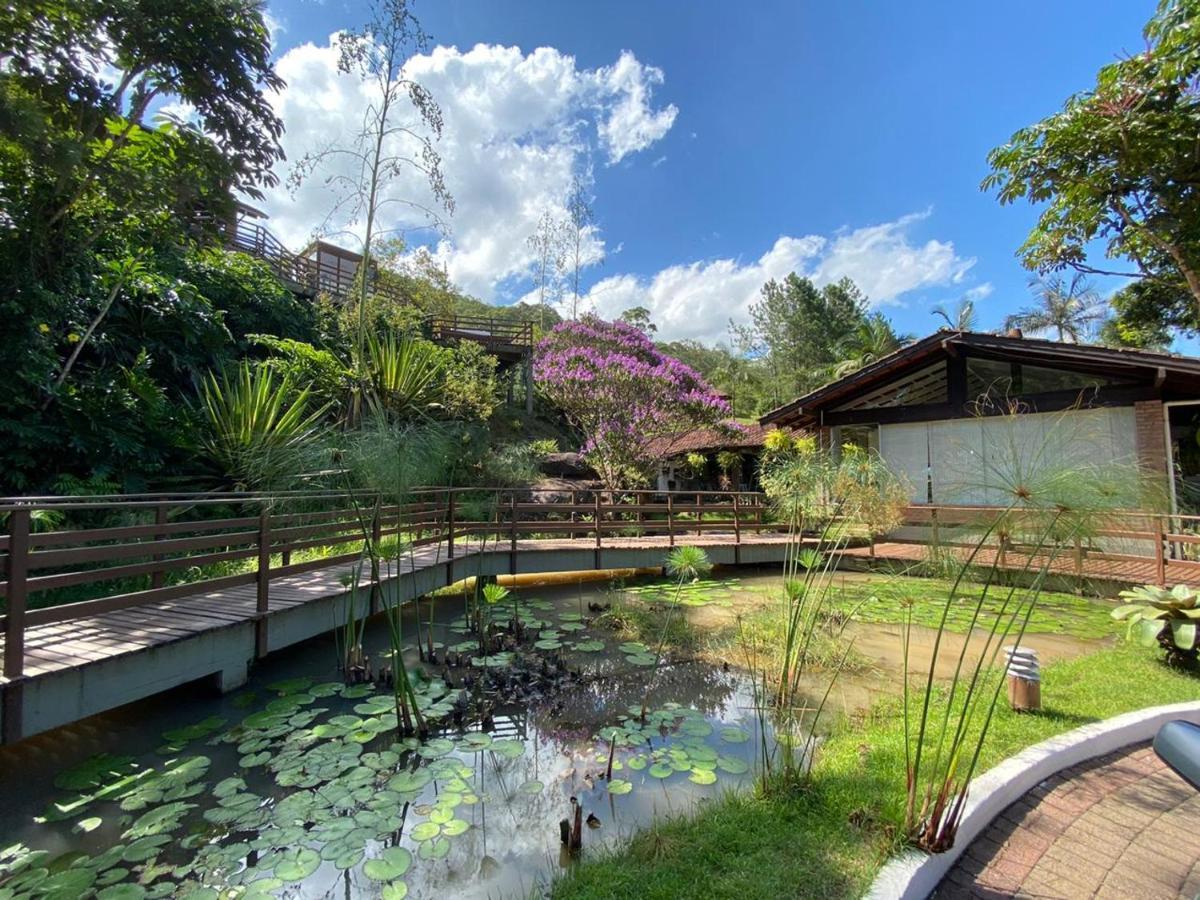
<point x="913" y="875"/>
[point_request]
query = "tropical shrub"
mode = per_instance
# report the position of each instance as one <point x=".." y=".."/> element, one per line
<point x="402" y="374"/>
<point x="620" y="391"/>
<point x="255" y="437"/>
<point x="1166" y="616"/>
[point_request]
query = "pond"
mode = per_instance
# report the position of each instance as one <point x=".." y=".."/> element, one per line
<point x="300" y="784"/>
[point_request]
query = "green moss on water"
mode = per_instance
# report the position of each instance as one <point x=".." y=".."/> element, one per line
<point x="828" y="838"/>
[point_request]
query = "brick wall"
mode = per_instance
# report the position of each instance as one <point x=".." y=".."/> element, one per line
<point x="1149" y="437"/>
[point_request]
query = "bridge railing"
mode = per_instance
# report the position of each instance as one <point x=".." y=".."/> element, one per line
<point x="490" y="332"/>
<point x="1113" y="536"/>
<point x="64" y="558"/>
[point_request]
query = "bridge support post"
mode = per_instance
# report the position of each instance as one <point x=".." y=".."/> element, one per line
<point x="12" y="711"/>
<point x="263" y="583"/>
<point x="528" y="367"/>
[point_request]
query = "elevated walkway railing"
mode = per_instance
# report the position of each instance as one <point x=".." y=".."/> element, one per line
<point x="65" y="558"/>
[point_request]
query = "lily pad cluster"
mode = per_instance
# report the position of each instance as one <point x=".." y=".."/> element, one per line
<point x="705" y="591"/>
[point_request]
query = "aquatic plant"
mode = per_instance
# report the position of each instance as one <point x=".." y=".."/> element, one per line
<point x="835" y="500"/>
<point x="1051" y="499"/>
<point x="684" y="564"/>
<point x="1166" y="616"/>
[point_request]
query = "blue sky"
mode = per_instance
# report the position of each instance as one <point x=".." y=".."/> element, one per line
<point x="728" y="144"/>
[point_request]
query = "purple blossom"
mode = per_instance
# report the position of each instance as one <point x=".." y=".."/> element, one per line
<point x="621" y="391"/>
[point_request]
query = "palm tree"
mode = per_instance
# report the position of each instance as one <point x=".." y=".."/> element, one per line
<point x="961" y="317"/>
<point x="1071" y="310"/>
<point x="873" y="339"/>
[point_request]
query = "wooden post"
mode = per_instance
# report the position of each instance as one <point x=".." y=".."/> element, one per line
<point x="737" y="532"/>
<point x="263" y="582"/>
<point x="639" y="498"/>
<point x="1079" y="559"/>
<point x="376" y="539"/>
<point x="450" y="524"/>
<point x="17" y="574"/>
<point x="933" y="518"/>
<point x="574" y="501"/>
<point x="18" y="591"/>
<point x="599" y="541"/>
<point x="699" y="515"/>
<point x="512" y="552"/>
<point x="1160" y="561"/>
<point x="670" y="519"/>
<point x="160" y="518"/>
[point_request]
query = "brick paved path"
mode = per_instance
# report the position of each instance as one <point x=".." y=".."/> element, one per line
<point x="1120" y="826"/>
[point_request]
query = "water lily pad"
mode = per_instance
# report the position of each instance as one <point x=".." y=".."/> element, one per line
<point x="84" y="826"/>
<point x="68" y="884"/>
<point x="702" y="776"/>
<point x="548" y="644"/>
<point x="95" y="772"/>
<point x="640" y="659"/>
<point x="357" y="691"/>
<point x="126" y="891"/>
<point x="592" y="646"/>
<point x="435" y="747"/>
<point x="455" y="827"/>
<point x="297" y="863"/>
<point x="732" y="765"/>
<point x="733" y="735"/>
<point x="425" y="831"/>
<point x="438" y="848"/>
<point x="661" y="770"/>
<point x="619" y="786"/>
<point x="145" y="847"/>
<point x="160" y="820"/>
<point x="397" y="890"/>
<point x="637" y="763"/>
<point x="532" y="787"/>
<point x="509" y="748"/>
<point x="290" y="686"/>
<point x="393" y="863"/>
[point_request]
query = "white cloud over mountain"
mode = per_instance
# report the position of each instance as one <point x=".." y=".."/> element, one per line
<point x="699" y="300"/>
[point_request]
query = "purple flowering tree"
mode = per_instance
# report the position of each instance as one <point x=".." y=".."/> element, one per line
<point x="621" y="392"/>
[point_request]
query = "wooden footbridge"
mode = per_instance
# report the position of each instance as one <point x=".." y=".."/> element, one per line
<point x="112" y="599"/>
<point x="109" y="600"/>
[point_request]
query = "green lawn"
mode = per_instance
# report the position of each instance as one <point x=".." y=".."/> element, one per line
<point x="827" y="839"/>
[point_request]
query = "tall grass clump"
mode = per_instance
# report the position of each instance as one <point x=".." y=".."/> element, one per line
<point x="826" y="502"/>
<point x="1048" y="492"/>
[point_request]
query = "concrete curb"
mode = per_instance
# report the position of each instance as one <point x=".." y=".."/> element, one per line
<point x="913" y="875"/>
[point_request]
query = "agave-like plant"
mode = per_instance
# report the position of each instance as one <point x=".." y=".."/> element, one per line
<point x="254" y="434"/>
<point x="1168" y="616"/>
<point x="401" y="374"/>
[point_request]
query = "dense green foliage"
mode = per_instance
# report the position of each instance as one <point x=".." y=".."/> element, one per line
<point x="125" y="313"/>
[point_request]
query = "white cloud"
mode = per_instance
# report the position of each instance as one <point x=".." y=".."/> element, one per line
<point x="631" y="125"/>
<point x="699" y="300"/>
<point x="517" y="126"/>
<point x="885" y="264"/>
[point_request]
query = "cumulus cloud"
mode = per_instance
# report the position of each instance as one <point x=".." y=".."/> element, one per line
<point x="631" y="124"/>
<point x="698" y="300"/>
<point x="517" y="127"/>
